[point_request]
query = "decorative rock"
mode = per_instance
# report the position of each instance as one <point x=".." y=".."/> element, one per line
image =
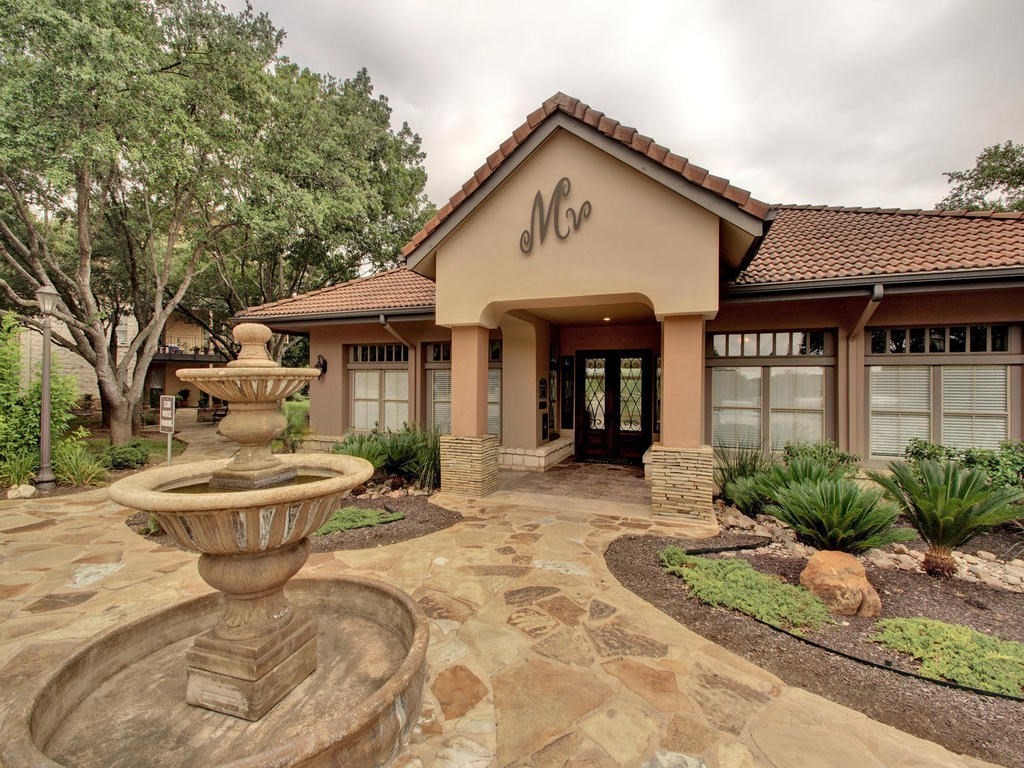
<point x="743" y="522"/>
<point x="983" y="555"/>
<point x="906" y="562"/>
<point x="21" y="492"/>
<point x="840" y="581"/>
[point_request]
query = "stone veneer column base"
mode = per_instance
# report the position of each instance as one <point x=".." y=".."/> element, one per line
<point x="682" y="482"/>
<point x="469" y="465"/>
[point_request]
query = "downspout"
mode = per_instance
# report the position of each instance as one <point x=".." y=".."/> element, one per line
<point x="855" y="389"/>
<point x="414" y="369"/>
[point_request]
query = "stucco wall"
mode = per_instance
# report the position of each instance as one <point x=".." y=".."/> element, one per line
<point x="665" y="245"/>
<point x="329" y="397"/>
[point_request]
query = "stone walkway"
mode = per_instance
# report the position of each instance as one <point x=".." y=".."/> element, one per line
<point x="538" y="657"/>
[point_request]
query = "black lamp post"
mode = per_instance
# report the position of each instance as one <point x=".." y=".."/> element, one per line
<point x="46" y="295"/>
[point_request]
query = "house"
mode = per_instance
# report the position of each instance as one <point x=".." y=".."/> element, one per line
<point x="588" y="292"/>
<point x="182" y="345"/>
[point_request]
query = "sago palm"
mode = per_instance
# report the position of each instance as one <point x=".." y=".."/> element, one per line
<point x="948" y="505"/>
<point x="838" y="514"/>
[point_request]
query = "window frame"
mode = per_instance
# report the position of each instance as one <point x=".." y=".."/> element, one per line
<point x="826" y="360"/>
<point x="936" y="363"/>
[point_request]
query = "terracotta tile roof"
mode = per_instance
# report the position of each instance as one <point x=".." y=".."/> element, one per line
<point x="821" y="242"/>
<point x="395" y="289"/>
<point x="643" y="145"/>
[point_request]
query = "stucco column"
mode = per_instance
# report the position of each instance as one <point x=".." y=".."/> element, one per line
<point x="681" y="466"/>
<point x="682" y="380"/>
<point x="469" y="380"/>
<point x="469" y="456"/>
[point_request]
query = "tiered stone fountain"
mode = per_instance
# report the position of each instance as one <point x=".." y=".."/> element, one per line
<point x="249" y="517"/>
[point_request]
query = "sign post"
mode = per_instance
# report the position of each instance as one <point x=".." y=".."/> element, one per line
<point x="167" y="421"/>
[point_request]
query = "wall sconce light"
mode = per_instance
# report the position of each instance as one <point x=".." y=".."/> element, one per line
<point x="320" y="365"/>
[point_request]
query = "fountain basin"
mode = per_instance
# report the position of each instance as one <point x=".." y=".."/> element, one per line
<point x="354" y="710"/>
<point x="222" y="521"/>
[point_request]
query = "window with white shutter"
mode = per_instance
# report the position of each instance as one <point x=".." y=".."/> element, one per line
<point x="901" y="407"/>
<point x="974" y="405"/>
<point x="494" y="402"/>
<point x="441" y="400"/>
<point x="797" y="405"/>
<point x="736" y="406"/>
<point x="380" y="398"/>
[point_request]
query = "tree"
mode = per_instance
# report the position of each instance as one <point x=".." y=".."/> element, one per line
<point x="995" y="183"/>
<point x="124" y="127"/>
<point x="331" y="189"/>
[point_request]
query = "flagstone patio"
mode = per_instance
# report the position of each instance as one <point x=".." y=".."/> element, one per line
<point x="538" y="657"/>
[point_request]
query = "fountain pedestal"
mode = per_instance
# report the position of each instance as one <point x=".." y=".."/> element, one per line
<point x="262" y="647"/>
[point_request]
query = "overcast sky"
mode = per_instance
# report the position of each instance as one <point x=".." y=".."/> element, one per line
<point x="844" y="102"/>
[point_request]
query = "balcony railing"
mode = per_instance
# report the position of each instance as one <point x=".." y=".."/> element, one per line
<point x="175" y="347"/>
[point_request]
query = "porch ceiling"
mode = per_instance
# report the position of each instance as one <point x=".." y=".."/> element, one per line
<point x="595" y="314"/>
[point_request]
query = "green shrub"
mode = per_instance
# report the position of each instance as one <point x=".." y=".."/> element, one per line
<point x="1004" y="467"/>
<point x="363" y="446"/>
<point x="753" y="493"/>
<point x="733" y="583"/>
<point x="153" y="526"/>
<point x="825" y="453"/>
<point x="429" y="460"/>
<point x="838" y="514"/>
<point x="348" y="518"/>
<point x="957" y="653"/>
<point x="401" y="452"/>
<point x="733" y="463"/>
<point x="919" y="450"/>
<point x="131" y="455"/>
<point x="18" y="468"/>
<point x="296" y="427"/>
<point x="73" y="464"/>
<point x="412" y="453"/>
<point x="948" y="505"/>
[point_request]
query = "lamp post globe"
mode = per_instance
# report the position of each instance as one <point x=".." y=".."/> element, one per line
<point x="46" y="295"/>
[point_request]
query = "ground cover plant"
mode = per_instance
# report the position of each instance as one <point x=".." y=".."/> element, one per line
<point x="735" y="584"/>
<point x="957" y="653"/>
<point x="985" y="727"/>
<point x="947" y="505"/>
<point x="350" y="518"/>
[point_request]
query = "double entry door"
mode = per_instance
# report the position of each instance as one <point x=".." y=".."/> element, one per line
<point x="614" y="393"/>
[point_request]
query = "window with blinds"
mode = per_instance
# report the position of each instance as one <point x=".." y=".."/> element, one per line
<point x="441" y="400"/>
<point x="959" y="406"/>
<point x="380" y="398"/>
<point x="797" y="405"/>
<point x="974" y="406"/>
<point x="901" y="407"/>
<point x="736" y="406"/>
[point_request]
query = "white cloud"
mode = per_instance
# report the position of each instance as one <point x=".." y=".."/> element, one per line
<point x="862" y="103"/>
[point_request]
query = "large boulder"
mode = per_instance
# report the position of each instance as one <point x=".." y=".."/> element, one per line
<point x="841" y="583"/>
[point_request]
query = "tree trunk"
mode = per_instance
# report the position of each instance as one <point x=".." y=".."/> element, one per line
<point x="104" y="410"/>
<point x="120" y="422"/>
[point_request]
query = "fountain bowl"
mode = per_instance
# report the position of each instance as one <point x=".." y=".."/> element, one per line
<point x="222" y="522"/>
<point x="355" y="710"/>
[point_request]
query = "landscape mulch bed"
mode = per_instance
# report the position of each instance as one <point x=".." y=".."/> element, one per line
<point x="986" y="727"/>
<point x="421" y="518"/>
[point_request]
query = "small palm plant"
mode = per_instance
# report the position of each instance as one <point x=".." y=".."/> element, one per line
<point x="838" y="514"/>
<point x="754" y="492"/>
<point x="948" y="505"/>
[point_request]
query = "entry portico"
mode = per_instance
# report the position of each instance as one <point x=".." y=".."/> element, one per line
<point x="598" y="255"/>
